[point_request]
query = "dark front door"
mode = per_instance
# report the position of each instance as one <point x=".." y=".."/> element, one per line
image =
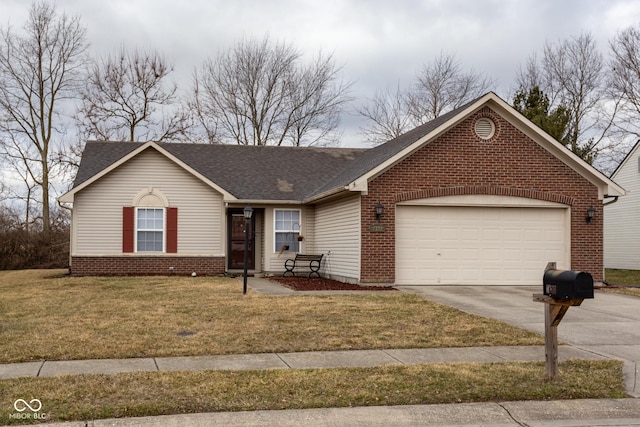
<point x="236" y="233"/>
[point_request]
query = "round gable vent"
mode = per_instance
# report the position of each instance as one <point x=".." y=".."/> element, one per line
<point x="485" y="128"/>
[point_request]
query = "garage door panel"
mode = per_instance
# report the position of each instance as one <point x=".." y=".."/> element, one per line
<point x="478" y="245"/>
<point x="512" y="255"/>
<point x="553" y="235"/>
<point x="512" y="235"/>
<point x="448" y="274"/>
<point x="448" y="233"/>
<point x="491" y="234"/>
<point x="469" y="253"/>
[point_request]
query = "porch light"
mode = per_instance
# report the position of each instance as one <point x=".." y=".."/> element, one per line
<point x="248" y="212"/>
<point x="379" y="210"/>
<point x="590" y="213"/>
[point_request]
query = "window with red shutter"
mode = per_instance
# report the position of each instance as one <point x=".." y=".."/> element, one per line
<point x="149" y="227"/>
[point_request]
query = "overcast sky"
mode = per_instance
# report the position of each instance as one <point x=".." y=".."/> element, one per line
<point x="380" y="43"/>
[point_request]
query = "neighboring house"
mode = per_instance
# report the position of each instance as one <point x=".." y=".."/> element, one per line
<point x="479" y="195"/>
<point x="622" y="218"/>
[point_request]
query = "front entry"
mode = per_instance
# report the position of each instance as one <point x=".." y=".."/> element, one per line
<point x="236" y="235"/>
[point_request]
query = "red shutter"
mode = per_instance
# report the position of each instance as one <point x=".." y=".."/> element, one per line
<point x="128" y="228"/>
<point x="172" y="230"/>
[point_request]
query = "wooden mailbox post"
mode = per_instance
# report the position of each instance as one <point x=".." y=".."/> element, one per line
<point x="562" y="289"/>
<point x="554" y="311"/>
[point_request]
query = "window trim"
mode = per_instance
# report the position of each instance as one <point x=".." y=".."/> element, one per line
<point x="164" y="230"/>
<point x="293" y="231"/>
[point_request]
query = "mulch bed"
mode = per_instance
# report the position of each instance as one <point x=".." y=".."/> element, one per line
<point x="322" y="284"/>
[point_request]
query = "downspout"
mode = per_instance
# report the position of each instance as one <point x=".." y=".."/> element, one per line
<point x="615" y="199"/>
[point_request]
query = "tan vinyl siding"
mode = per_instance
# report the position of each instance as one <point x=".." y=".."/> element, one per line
<point x="622" y="219"/>
<point x="98" y="208"/>
<point x="337" y="236"/>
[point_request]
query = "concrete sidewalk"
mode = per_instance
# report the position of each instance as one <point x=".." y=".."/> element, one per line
<point x="300" y="360"/>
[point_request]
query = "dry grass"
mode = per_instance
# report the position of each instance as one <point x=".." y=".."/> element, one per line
<point x="141" y="394"/>
<point x="44" y="315"/>
<point x="619" y="279"/>
<point x="622" y="277"/>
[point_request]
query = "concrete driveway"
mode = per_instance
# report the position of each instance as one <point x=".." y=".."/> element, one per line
<point x="608" y="325"/>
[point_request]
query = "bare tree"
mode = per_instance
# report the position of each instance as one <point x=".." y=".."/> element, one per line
<point x="260" y="93"/>
<point x="440" y="86"/>
<point x="28" y="195"/>
<point x="205" y="114"/>
<point x="572" y="74"/>
<point x="39" y="71"/>
<point x="388" y="115"/>
<point x="316" y="100"/>
<point x="625" y="78"/>
<point x="443" y="85"/>
<point x="127" y="97"/>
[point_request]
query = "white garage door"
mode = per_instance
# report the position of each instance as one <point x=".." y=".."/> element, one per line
<point x="479" y="245"/>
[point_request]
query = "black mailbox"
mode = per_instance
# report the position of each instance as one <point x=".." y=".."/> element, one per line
<point x="568" y="284"/>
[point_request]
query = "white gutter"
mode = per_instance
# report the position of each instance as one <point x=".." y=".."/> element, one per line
<point x="262" y="202"/>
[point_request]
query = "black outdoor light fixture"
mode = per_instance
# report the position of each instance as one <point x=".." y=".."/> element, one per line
<point x="590" y="213"/>
<point x="379" y="210"/>
<point x="248" y="212"/>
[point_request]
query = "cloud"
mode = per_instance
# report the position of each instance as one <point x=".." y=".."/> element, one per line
<point x="379" y="43"/>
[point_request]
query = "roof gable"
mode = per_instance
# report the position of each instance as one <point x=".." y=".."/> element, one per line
<point x="623" y="164"/>
<point x="100" y="158"/>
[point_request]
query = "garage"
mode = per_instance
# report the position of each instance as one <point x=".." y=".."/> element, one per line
<point x="480" y="245"/>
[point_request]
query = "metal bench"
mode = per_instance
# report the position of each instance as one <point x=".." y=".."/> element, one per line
<point x="313" y="264"/>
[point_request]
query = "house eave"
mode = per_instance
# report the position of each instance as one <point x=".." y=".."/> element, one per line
<point x="261" y="202"/>
<point x="327" y="194"/>
<point x="67" y="197"/>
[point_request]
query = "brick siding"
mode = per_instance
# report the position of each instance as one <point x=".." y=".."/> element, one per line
<point x="460" y="163"/>
<point x="146" y="265"/>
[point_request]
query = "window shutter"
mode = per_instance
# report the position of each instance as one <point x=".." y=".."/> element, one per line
<point x="172" y="230"/>
<point x="128" y="228"/>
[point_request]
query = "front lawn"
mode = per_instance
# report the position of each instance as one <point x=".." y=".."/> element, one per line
<point x="45" y="315"/>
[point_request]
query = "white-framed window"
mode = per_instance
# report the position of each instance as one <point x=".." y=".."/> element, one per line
<point x="286" y="229"/>
<point x="150" y="229"/>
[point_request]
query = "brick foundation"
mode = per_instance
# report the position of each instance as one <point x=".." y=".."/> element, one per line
<point x="460" y="163"/>
<point x="146" y="265"/>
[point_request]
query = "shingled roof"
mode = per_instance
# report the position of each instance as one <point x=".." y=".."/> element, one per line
<point x="246" y="172"/>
